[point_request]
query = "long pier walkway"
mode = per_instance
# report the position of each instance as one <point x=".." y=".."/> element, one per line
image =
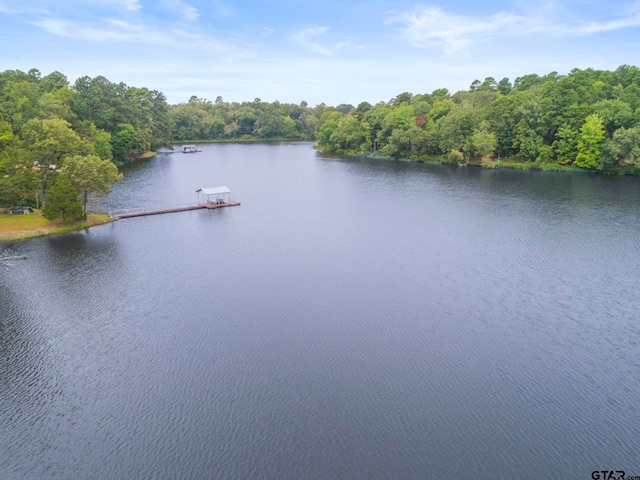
<point x="174" y="208"/>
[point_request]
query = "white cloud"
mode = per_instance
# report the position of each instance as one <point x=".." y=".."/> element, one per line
<point x="307" y="38"/>
<point x="131" y="5"/>
<point x="187" y="11"/>
<point x="199" y="43"/>
<point x="128" y="5"/>
<point x="432" y="26"/>
<point x="600" y="27"/>
<point x="36" y="7"/>
<point x="121" y="32"/>
<point x="222" y="9"/>
<point x="23" y="7"/>
<point x="109" y="30"/>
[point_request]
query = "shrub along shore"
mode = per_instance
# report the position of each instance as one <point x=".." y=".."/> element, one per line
<point x="508" y="163"/>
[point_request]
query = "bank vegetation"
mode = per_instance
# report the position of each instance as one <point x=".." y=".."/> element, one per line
<point x="62" y="142"/>
<point x="587" y="120"/>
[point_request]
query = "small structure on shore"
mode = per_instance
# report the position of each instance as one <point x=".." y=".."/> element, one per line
<point x="190" y="149"/>
<point x="220" y="195"/>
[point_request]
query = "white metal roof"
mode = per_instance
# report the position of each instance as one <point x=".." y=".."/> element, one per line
<point x="214" y="190"/>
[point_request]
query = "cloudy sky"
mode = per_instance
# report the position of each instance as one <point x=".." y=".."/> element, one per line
<point x="314" y="50"/>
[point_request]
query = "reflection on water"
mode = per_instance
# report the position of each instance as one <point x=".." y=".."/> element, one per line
<point x="354" y="318"/>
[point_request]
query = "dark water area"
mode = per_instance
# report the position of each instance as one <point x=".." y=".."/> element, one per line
<point x="353" y="319"/>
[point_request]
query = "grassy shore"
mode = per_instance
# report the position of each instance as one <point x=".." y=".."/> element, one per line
<point x="13" y="227"/>
<point x="148" y="154"/>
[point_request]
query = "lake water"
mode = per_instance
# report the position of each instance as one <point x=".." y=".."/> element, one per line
<point x="352" y="319"/>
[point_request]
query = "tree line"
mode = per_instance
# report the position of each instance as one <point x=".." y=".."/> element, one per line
<point x="50" y="129"/>
<point x="202" y="119"/>
<point x="588" y="120"/>
<point x="53" y="130"/>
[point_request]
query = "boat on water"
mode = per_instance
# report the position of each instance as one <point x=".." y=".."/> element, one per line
<point x="190" y="149"/>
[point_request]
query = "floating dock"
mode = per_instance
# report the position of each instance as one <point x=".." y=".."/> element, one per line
<point x="190" y="149"/>
<point x="176" y="208"/>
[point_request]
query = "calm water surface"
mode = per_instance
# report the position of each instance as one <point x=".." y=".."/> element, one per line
<point x="353" y="319"/>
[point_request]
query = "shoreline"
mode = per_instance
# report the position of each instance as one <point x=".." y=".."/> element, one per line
<point x="23" y="227"/>
<point x="491" y="164"/>
<point x="242" y="140"/>
<point x="145" y="155"/>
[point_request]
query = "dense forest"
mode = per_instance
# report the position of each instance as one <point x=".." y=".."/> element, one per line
<point x="586" y="120"/>
<point x="45" y="122"/>
<point x="201" y="119"/>
<point x="49" y="128"/>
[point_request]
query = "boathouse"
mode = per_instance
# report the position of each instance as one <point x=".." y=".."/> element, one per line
<point x="220" y="195"/>
<point x="189" y="149"/>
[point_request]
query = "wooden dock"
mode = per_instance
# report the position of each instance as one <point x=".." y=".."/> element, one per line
<point x="174" y="209"/>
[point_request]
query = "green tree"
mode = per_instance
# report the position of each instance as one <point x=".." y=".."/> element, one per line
<point x="624" y="147"/>
<point x="441" y="108"/>
<point x="124" y="143"/>
<point x="421" y="108"/>
<point x="57" y="104"/>
<point x="456" y="130"/>
<point x="288" y="128"/>
<point x="308" y="125"/>
<point x="504" y="86"/>
<point x="216" y="127"/>
<point x="614" y="114"/>
<point x="345" y="108"/>
<point x="566" y="144"/>
<point x="330" y="135"/>
<point x="405" y="97"/>
<point x="504" y="115"/>
<point x="52" y="82"/>
<point x="62" y="201"/>
<point x="592" y="134"/>
<point x="484" y="141"/>
<point x="545" y="154"/>
<point x="101" y="142"/>
<point x="528" y="142"/>
<point x="47" y="143"/>
<point x="399" y="143"/>
<point x="526" y="82"/>
<point x="190" y="122"/>
<point x="352" y="134"/>
<point x="90" y="174"/>
<point x="159" y="119"/>
<point x="7" y="138"/>
<point x="109" y="105"/>
<point x="97" y="100"/>
<point x="50" y="140"/>
<point x="246" y="119"/>
<point x="362" y="108"/>
<point x="400" y="118"/>
<point x="16" y="175"/>
<point x="528" y="132"/>
<point x="373" y="121"/>
<point x="231" y="129"/>
<point x="20" y="102"/>
<point x="489" y="84"/>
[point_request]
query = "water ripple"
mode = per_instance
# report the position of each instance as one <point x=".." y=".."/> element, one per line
<point x="367" y="319"/>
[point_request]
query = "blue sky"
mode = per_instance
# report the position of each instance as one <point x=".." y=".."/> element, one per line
<point x="318" y="51"/>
